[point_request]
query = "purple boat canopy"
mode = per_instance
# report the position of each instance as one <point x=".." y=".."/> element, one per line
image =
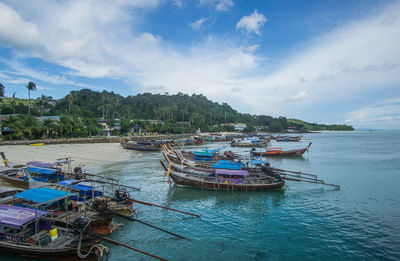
<point x="232" y="172"/>
<point x="12" y="216"/>
<point x="41" y="164"/>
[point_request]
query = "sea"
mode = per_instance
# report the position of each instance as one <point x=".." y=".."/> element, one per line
<point x="302" y="221"/>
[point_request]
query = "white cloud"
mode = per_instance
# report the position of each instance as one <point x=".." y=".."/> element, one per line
<point x="177" y="3"/>
<point x="299" y="96"/>
<point x="197" y="25"/>
<point x="105" y="40"/>
<point x="224" y="5"/>
<point x="383" y="115"/>
<point x="14" y="31"/>
<point x="252" y="23"/>
<point x="219" y="5"/>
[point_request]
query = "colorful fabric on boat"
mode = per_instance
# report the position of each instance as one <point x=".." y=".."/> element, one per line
<point x="41" y="164"/>
<point x="232" y="172"/>
<point x="42" y="170"/>
<point x="43" y="195"/>
<point x="13" y="216"/>
<point x="83" y="188"/>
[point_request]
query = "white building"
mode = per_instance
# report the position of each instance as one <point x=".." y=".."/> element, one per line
<point x="239" y="126"/>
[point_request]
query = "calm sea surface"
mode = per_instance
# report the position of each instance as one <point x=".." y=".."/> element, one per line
<point x="361" y="221"/>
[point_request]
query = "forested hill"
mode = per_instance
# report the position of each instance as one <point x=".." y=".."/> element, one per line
<point x="196" y="109"/>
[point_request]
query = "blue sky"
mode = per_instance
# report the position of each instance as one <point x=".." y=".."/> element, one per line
<point x="321" y="61"/>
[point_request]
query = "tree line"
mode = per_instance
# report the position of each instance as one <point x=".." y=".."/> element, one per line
<point x="178" y="113"/>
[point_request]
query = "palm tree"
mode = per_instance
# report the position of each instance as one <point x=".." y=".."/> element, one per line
<point x="48" y="127"/>
<point x="115" y="102"/>
<point x="2" y="90"/>
<point x="71" y="99"/>
<point x="13" y="102"/>
<point x="31" y="87"/>
<point x="14" y="124"/>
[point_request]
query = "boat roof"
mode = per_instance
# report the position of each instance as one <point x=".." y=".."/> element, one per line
<point x="13" y="216"/>
<point x="257" y="162"/>
<point x="43" y="195"/>
<point x="226" y="166"/>
<point x="232" y="172"/>
<point x="42" y="170"/>
<point x="202" y="153"/>
<point x="81" y="187"/>
<point x="41" y="164"/>
<point x="228" y="162"/>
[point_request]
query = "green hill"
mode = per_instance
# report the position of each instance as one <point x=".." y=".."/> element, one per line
<point x="178" y="113"/>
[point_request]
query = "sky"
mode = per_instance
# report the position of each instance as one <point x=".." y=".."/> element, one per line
<point x="320" y="61"/>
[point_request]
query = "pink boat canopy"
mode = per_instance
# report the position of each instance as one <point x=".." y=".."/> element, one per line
<point x="232" y="172"/>
<point x="12" y="216"/>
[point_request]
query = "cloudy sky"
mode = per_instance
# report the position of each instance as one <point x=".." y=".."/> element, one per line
<point x="322" y="61"/>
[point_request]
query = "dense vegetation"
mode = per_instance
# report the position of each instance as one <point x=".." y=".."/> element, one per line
<point x="180" y="113"/>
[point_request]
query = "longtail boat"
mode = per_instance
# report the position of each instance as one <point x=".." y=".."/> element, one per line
<point x="141" y="145"/>
<point x="257" y="169"/>
<point x="192" y="141"/>
<point x="225" y="180"/>
<point x="278" y="152"/>
<point x="18" y="177"/>
<point x="30" y="232"/>
<point x="219" y="138"/>
<point x="251" y="142"/>
<point x="65" y="207"/>
<point x="288" y="138"/>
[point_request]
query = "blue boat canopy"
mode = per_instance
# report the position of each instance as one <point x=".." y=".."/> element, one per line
<point x="43" y="195"/>
<point x="81" y="187"/>
<point x="226" y="166"/>
<point x="203" y="154"/>
<point x="41" y="170"/>
<point x="258" y="162"/>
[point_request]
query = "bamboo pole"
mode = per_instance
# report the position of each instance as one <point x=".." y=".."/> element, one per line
<point x="109" y="240"/>
<point x="154" y="205"/>
<point x="144" y="223"/>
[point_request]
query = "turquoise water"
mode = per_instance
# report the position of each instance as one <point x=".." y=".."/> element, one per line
<point x="301" y="222"/>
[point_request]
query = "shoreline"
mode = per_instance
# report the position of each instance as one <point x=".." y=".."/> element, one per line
<point x="90" y="140"/>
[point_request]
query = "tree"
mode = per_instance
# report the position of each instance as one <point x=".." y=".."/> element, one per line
<point x="13" y="102"/>
<point x="2" y="90"/>
<point x="31" y="87"/>
<point x="71" y="99"/>
<point x="48" y="127"/>
<point x="43" y="103"/>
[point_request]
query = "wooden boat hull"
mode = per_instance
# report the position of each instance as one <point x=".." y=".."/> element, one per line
<point x="20" y="183"/>
<point x="46" y="252"/>
<point x="280" y="153"/>
<point x="187" y="180"/>
<point x="250" y="145"/>
<point x="288" y="139"/>
<point x="140" y="147"/>
<point x="289" y="153"/>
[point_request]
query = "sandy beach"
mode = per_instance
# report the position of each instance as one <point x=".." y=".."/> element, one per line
<point x="87" y="155"/>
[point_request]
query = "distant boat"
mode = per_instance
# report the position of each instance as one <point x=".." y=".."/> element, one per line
<point x="278" y="152"/>
<point x="251" y="142"/>
<point x="288" y="138"/>
<point x="141" y="145"/>
<point x="36" y="144"/>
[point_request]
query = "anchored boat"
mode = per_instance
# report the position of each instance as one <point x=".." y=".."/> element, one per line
<point x="278" y="152"/>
